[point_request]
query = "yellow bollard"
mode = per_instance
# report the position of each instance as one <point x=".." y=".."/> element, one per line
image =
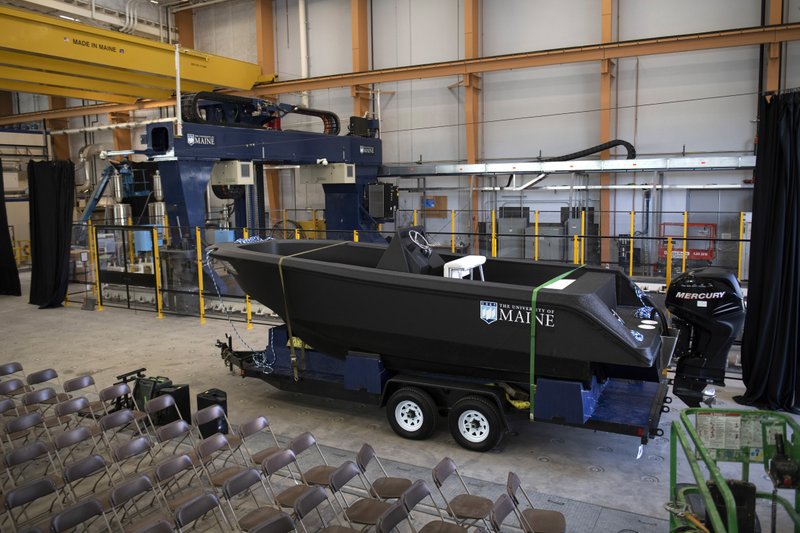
<point x="685" y="244"/>
<point x="284" y="223"/>
<point x="669" y="261"/>
<point x="575" y="253"/>
<point x="166" y="230"/>
<point x="157" y="270"/>
<point x="536" y="236"/>
<point x="355" y="235"/>
<point x="297" y="234"/>
<point x="741" y="246"/>
<point x="131" y="252"/>
<point x="583" y="236"/>
<point x="630" y="251"/>
<point x="453" y="230"/>
<point x="494" y="235"/>
<point x="94" y="260"/>
<point x="414" y="218"/>
<point x="200" y="299"/>
<point x="247" y="305"/>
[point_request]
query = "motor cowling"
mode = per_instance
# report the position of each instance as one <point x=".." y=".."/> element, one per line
<point x="708" y="311"/>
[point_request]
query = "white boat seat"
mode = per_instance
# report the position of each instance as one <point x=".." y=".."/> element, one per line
<point x="463" y="266"/>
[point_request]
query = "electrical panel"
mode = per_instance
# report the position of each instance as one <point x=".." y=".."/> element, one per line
<point x="330" y="173"/>
<point x="232" y="173"/>
<point x="382" y="200"/>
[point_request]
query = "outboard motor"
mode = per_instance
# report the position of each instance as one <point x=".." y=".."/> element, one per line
<point x="708" y="310"/>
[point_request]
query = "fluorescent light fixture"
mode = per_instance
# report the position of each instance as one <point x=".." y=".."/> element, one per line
<point x="67" y="17"/>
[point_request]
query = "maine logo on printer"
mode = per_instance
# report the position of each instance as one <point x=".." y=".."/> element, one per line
<point x="488" y="311"/>
<point x="192" y="139"/>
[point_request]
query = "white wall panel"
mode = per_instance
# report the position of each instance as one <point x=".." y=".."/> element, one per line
<point x="227" y="29"/>
<point x="652" y="18"/>
<point x="524" y="25"/>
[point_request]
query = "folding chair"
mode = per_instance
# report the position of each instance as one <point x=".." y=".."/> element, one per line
<point x="384" y="487"/>
<point x="136" y="505"/>
<point x="281" y="523"/>
<point x="464" y="508"/>
<point x="533" y="520"/>
<point x="66" y="443"/>
<point x="316" y="475"/>
<point x="48" y="376"/>
<point x="177" y="430"/>
<point x="20" y="501"/>
<point x="503" y="507"/>
<point x="13" y="387"/>
<point x="114" y="398"/>
<point x="284" y="459"/>
<point x="248" y="485"/>
<point x="25" y="428"/>
<point x="197" y="508"/>
<point x="250" y="431"/>
<point x="417" y="492"/>
<point x="135" y="450"/>
<point x="365" y="511"/>
<point x="44" y="398"/>
<point x="21" y="460"/>
<point x="211" y="414"/>
<point x="177" y="481"/>
<point x="211" y="452"/>
<point x="309" y="501"/>
<point x="391" y="517"/>
<point x="86" y="385"/>
<point x="83" y="513"/>
<point x="9" y="369"/>
<point x="91" y="472"/>
<point x="114" y="424"/>
<point x="71" y="414"/>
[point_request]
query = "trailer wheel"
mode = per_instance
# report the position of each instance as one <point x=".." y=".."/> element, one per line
<point x="476" y="424"/>
<point x="412" y="413"/>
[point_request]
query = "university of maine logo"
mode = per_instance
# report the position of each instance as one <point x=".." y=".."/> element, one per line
<point x="489" y="312"/>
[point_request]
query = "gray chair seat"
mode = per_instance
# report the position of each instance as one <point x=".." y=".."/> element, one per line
<point x="319" y="475"/>
<point x="366" y="511"/>
<point x="471" y="506"/>
<point x="544" y="521"/>
<point x="287" y="497"/>
<point x="257" y="517"/>
<point x="259" y="457"/>
<point x="218" y="478"/>
<point x="180" y="499"/>
<point x="390" y="487"/>
<point x="156" y="524"/>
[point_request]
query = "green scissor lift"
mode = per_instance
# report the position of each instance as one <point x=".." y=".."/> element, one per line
<point x="711" y="436"/>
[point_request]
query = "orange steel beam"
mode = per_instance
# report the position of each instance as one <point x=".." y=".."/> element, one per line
<point x="472" y="100"/>
<point x="265" y="36"/>
<point x="774" y="49"/>
<point x="360" y="42"/>
<point x="606" y="79"/>
<point x="184" y="22"/>
<point x="60" y="143"/>
<point x="599" y="52"/>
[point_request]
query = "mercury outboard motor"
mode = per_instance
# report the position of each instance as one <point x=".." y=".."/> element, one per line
<point x="708" y="310"/>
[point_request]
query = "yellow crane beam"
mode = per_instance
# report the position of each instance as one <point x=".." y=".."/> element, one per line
<point x="62" y="80"/>
<point x="35" y="88"/>
<point x="60" y="66"/>
<point x="87" y="54"/>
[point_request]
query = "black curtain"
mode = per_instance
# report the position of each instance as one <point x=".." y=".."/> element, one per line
<point x="52" y="191"/>
<point x="9" y="277"/>
<point x="770" y="346"/>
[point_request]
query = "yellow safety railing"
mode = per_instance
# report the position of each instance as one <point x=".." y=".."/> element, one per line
<point x="414" y="218"/>
<point x="453" y="231"/>
<point x="94" y="259"/>
<point x="494" y="234"/>
<point x="247" y="305"/>
<point x="355" y="235"/>
<point x="201" y="301"/>
<point x="297" y="234"/>
<point x="157" y="270"/>
<point x="536" y="236"/>
<point x="575" y="252"/>
<point x="685" y="244"/>
<point x="583" y="236"/>
<point x="668" y="260"/>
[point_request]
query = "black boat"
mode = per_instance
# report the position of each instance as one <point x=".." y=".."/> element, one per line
<point x="584" y="324"/>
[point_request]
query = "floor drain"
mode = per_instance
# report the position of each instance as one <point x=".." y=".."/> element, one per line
<point x="649" y="479"/>
<point x="543" y="459"/>
<point x="595" y="468"/>
<point x="656" y="458"/>
<point x="605" y="449"/>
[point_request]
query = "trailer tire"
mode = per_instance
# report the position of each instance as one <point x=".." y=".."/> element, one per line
<point x="412" y="413"/>
<point x="476" y="423"/>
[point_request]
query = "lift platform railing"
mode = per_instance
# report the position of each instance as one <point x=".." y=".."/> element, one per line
<point x="727" y="435"/>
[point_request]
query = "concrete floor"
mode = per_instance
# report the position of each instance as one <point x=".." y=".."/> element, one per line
<point x="592" y="477"/>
